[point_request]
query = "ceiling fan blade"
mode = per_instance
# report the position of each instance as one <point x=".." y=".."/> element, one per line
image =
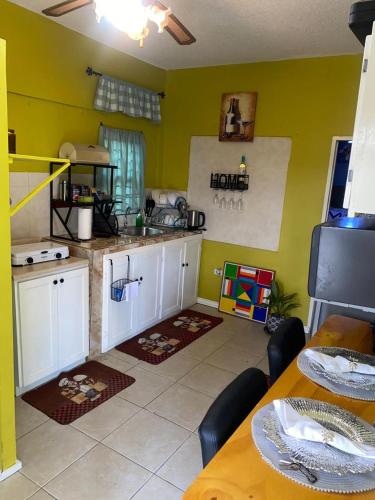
<point x="175" y="27"/>
<point x="64" y="7"/>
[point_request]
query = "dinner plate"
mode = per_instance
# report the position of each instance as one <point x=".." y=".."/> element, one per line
<point x="320" y="456"/>
<point x="326" y="482"/>
<point x="353" y="385"/>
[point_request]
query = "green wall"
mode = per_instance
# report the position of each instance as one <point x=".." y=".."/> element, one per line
<point x="309" y="100"/>
<point x="49" y="95"/>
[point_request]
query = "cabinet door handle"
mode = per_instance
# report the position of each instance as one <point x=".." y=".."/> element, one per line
<point x="187" y="264"/>
<point x="62" y="280"/>
<point x="55" y="282"/>
<point x="183" y="265"/>
<point x="141" y="278"/>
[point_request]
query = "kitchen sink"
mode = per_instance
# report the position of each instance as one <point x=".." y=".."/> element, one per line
<point x="142" y="231"/>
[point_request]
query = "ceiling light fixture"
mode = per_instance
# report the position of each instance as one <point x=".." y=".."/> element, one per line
<point x="132" y="16"/>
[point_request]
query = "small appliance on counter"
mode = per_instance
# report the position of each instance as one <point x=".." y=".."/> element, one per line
<point x="195" y="219"/>
<point x="35" y="253"/>
<point x="84" y="153"/>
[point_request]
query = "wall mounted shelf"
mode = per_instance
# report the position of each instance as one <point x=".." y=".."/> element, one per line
<point x="232" y="182"/>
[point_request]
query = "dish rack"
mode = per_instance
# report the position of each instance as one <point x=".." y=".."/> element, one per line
<point x="123" y="289"/>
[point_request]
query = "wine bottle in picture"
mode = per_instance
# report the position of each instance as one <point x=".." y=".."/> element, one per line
<point x="230" y="119"/>
<point x="237" y="117"/>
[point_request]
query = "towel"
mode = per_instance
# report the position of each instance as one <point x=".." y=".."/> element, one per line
<point x="338" y="364"/>
<point x="303" y="427"/>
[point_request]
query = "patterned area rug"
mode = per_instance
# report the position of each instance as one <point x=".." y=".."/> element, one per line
<point x="76" y="392"/>
<point x="170" y="336"/>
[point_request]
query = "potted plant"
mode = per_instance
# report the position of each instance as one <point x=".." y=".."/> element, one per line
<point x="280" y="307"/>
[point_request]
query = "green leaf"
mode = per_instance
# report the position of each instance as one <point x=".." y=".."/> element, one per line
<point x="280" y="303"/>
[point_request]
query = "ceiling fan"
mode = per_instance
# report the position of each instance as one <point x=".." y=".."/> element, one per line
<point x="130" y="16"/>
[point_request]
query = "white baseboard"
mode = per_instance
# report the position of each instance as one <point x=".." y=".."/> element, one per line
<point x="11" y="470"/>
<point x="207" y="302"/>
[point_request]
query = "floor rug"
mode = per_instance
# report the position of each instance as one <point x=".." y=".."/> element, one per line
<point x="76" y="392"/>
<point x="170" y="336"/>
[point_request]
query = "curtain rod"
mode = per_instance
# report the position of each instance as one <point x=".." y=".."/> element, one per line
<point x="91" y="72"/>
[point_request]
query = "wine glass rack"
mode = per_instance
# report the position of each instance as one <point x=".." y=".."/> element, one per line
<point x="232" y="182"/>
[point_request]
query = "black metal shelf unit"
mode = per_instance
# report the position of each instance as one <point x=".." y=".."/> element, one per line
<point x="102" y="208"/>
<point x="233" y="182"/>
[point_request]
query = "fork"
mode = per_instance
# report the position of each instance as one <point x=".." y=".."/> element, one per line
<point x="288" y="465"/>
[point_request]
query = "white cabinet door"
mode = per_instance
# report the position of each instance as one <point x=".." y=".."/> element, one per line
<point x="359" y="196"/>
<point x="171" y="278"/>
<point x="72" y="316"/>
<point x="37" y="329"/>
<point x="119" y="318"/>
<point x="191" y="272"/>
<point x="147" y="269"/>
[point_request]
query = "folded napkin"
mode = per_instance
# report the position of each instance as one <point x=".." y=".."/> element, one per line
<point x="302" y="427"/>
<point x="338" y="363"/>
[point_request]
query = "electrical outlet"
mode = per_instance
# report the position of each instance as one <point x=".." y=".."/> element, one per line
<point x="218" y="271"/>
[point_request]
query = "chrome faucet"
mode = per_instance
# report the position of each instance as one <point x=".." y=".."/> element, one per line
<point x="127" y="212"/>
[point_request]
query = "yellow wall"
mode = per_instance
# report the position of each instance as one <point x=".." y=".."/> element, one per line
<point x="49" y="95"/>
<point x="7" y="431"/>
<point x="309" y="100"/>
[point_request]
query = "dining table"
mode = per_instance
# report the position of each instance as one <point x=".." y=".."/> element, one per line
<point x="238" y="472"/>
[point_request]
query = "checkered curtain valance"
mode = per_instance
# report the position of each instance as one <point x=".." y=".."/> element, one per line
<point x="116" y="95"/>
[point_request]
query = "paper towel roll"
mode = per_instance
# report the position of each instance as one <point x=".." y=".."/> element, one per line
<point x="85" y="223"/>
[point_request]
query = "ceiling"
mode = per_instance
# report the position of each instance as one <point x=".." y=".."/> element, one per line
<point x="229" y="31"/>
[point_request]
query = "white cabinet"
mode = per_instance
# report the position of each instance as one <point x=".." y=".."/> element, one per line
<point x="147" y="269"/>
<point x="192" y="253"/>
<point x="51" y="326"/>
<point x="180" y="275"/>
<point x="171" y="278"/>
<point x="119" y="318"/>
<point x="36" y="330"/>
<point x="122" y="320"/>
<point x="72" y="317"/>
<point x="168" y="279"/>
<point x="360" y="189"/>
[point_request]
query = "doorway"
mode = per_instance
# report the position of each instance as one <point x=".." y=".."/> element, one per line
<point x="333" y="207"/>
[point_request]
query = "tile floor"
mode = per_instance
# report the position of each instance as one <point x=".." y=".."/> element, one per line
<point x="142" y="443"/>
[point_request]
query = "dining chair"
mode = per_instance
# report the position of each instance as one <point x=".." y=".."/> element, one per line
<point x="229" y="410"/>
<point x="284" y="345"/>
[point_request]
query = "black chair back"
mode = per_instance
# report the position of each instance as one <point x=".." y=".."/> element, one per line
<point x="229" y="410"/>
<point x="284" y="345"/>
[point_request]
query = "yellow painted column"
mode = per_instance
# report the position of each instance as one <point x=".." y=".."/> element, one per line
<point x="7" y="419"/>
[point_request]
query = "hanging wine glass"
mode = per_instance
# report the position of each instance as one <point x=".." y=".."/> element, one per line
<point x="223" y="203"/>
<point x="216" y="199"/>
<point x="240" y="203"/>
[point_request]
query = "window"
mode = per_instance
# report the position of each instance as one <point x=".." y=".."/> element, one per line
<point x="127" y="152"/>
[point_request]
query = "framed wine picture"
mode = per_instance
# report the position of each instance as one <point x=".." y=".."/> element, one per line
<point x="237" y="117"/>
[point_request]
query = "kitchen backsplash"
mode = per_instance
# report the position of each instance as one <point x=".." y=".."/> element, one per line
<point x="32" y="221"/>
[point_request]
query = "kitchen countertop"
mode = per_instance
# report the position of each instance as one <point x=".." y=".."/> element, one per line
<point x="24" y="273"/>
<point x="124" y="242"/>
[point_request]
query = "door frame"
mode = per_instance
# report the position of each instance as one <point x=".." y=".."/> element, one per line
<point x="8" y="460"/>
<point x="327" y="195"/>
<point x="332" y="158"/>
